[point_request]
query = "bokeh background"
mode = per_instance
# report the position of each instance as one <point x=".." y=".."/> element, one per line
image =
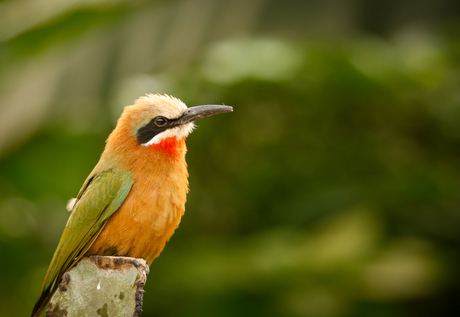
<point x="332" y="190"/>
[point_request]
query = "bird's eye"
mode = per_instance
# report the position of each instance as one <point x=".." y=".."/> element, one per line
<point x="160" y="121"/>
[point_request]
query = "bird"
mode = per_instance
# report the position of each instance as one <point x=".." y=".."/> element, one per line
<point x="133" y="200"/>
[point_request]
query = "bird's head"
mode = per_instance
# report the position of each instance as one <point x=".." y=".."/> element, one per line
<point x="162" y="121"/>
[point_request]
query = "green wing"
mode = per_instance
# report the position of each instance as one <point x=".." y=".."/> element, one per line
<point x="101" y="195"/>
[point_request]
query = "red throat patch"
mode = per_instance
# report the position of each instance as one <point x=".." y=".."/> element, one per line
<point x="170" y="146"/>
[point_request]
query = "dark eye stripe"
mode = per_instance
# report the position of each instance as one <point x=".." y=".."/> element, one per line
<point x="147" y="132"/>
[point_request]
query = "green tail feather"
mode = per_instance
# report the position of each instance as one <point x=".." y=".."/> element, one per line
<point x="43" y="300"/>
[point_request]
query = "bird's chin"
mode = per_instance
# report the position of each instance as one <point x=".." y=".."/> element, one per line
<point x="173" y="147"/>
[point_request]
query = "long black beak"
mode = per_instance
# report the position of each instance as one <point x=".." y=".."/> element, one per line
<point x="198" y="112"/>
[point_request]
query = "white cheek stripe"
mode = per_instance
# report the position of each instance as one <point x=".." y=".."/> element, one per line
<point x="177" y="132"/>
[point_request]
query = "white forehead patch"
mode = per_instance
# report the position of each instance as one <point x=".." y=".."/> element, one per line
<point x="168" y="106"/>
<point x="179" y="133"/>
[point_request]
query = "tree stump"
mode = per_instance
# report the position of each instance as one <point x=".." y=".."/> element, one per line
<point x="101" y="286"/>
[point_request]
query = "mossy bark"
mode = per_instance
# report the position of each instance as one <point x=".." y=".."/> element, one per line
<point x="101" y="286"/>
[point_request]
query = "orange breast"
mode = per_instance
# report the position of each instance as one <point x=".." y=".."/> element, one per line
<point x="152" y="210"/>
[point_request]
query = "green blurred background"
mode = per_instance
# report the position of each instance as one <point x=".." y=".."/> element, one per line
<point x="332" y="190"/>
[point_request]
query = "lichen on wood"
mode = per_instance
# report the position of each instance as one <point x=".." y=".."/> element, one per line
<point x="101" y="286"/>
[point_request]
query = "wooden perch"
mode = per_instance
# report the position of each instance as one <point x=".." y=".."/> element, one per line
<point x="101" y="286"/>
